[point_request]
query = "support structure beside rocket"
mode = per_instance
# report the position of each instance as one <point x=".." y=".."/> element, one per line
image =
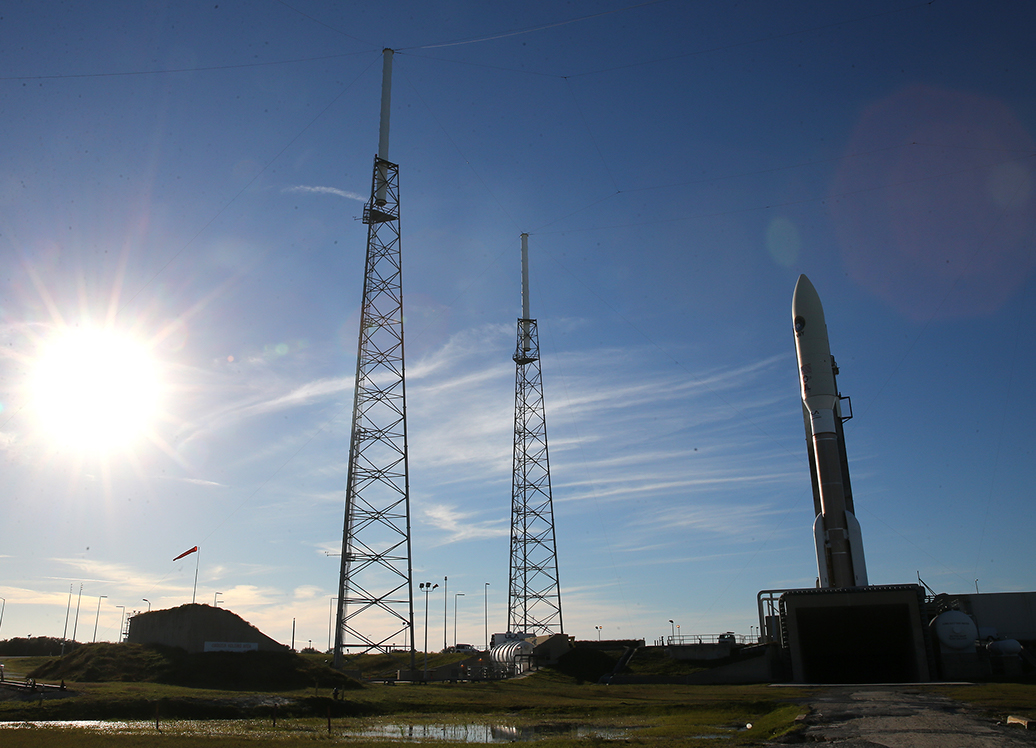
<point x="839" y="542"/>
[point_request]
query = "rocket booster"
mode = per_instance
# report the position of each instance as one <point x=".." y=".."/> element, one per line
<point x="839" y="542"/>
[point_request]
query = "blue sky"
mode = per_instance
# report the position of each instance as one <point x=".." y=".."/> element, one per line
<point x="190" y="176"/>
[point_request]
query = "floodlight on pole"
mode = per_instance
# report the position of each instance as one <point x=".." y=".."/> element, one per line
<point x="486" y="604"/>
<point x="426" y="587"/>
<point x="672" y="627"/>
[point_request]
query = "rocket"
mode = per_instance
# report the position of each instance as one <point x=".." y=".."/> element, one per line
<point x="836" y="531"/>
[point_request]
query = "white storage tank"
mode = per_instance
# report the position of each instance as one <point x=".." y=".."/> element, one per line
<point x="514" y="655"/>
<point x="1004" y="647"/>
<point x="955" y="631"/>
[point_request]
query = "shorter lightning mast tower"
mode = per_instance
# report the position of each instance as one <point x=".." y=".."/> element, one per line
<point x="534" y="594"/>
<point x="375" y="591"/>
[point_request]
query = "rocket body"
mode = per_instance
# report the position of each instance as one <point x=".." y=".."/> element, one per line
<point x="839" y="542"/>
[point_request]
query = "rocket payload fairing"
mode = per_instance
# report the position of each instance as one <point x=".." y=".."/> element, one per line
<point x="839" y="542"/>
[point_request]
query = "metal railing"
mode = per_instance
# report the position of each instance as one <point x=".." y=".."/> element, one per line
<point x="727" y="637"/>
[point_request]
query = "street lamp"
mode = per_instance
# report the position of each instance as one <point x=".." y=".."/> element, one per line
<point x="426" y="587"/>
<point x="598" y="632"/>
<point x="148" y="604"/>
<point x="486" y="601"/>
<point x="445" y="608"/>
<point x="2" y="607"/>
<point x="122" y="623"/>
<point x="214" y="603"/>
<point x="672" y="630"/>
<point x="459" y="594"/>
<point x="97" y="617"/>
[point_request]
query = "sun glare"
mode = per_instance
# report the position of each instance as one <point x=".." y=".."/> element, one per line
<point x="95" y="390"/>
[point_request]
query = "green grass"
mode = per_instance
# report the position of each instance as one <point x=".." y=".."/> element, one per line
<point x="23" y="665"/>
<point x="654" y="715"/>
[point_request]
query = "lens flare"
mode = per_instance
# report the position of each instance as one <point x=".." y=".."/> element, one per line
<point x="95" y="390"/>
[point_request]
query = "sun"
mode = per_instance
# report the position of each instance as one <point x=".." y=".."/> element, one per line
<point x="95" y="390"/>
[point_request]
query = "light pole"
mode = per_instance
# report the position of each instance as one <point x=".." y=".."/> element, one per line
<point x="122" y="623"/>
<point x="459" y="594"/>
<point x="486" y="601"/>
<point x="426" y="587"/>
<point x="678" y="636"/>
<point x="330" y="620"/>
<point x="98" y="616"/>
<point x="598" y="632"/>
<point x="75" y="626"/>
<point x="2" y="607"/>
<point x="214" y="603"/>
<point x="445" y="608"/>
<point x="148" y="606"/>
<point x="64" y="633"/>
<point x="672" y="630"/>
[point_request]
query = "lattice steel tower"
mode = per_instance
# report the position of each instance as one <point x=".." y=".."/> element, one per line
<point x="534" y="593"/>
<point x="375" y="591"/>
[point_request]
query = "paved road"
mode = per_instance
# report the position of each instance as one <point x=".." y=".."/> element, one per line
<point x="904" y="717"/>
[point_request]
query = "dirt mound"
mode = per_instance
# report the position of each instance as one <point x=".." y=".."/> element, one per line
<point x="263" y="671"/>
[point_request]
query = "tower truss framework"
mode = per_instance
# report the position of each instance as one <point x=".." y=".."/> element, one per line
<point x="534" y="593"/>
<point x="375" y="594"/>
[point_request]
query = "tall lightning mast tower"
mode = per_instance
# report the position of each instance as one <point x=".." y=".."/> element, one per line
<point x="534" y="594"/>
<point x="375" y="590"/>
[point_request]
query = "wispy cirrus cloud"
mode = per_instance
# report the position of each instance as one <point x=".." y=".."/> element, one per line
<point x="195" y="481"/>
<point x="327" y="191"/>
<point x="459" y="526"/>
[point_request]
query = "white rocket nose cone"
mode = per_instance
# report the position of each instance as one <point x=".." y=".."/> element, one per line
<point x="806" y="308"/>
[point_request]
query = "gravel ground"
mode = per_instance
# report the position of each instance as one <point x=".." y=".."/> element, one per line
<point x="904" y="717"/>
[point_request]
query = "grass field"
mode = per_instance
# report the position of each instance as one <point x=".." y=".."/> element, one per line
<point x="581" y="713"/>
<point x="565" y="710"/>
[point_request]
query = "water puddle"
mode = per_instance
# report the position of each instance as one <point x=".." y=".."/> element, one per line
<point x="474" y="732"/>
<point x="484" y="733"/>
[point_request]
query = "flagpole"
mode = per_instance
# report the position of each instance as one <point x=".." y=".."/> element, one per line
<point x="196" y="565"/>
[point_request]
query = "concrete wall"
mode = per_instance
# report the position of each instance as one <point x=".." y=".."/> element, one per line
<point x="1012" y="614"/>
<point x="191" y="626"/>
